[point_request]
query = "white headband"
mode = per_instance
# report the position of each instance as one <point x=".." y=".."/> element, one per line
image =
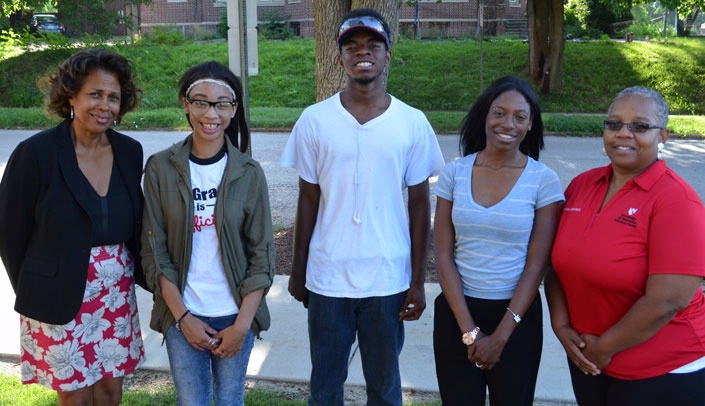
<point x="216" y="81"/>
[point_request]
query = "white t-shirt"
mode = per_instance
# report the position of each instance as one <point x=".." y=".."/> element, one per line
<point x="207" y="292"/>
<point x="361" y="245"/>
<point x="491" y="243"/>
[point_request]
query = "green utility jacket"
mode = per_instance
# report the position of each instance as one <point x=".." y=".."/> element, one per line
<point x="242" y="218"/>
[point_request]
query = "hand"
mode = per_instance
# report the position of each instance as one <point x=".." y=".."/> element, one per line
<point x="297" y="288"/>
<point x="485" y="351"/>
<point x="574" y="345"/>
<point x="231" y="340"/>
<point x="593" y="352"/>
<point x="198" y="334"/>
<point x="414" y="304"/>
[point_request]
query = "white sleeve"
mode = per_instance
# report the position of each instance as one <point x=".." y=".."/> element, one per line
<point x="425" y="158"/>
<point x="301" y="151"/>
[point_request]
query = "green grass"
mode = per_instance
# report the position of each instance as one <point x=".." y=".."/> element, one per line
<point x="12" y="392"/>
<point x="439" y="77"/>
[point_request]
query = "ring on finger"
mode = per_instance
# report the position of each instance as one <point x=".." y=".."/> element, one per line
<point x="477" y="364"/>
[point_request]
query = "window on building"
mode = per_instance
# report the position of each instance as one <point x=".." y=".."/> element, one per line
<point x="295" y="27"/>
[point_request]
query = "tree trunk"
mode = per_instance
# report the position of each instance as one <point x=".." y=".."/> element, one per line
<point x="557" y="47"/>
<point x="537" y="29"/>
<point x="546" y="43"/>
<point x="327" y="16"/>
<point x="690" y="19"/>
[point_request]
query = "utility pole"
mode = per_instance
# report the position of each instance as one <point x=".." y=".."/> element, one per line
<point x="479" y="32"/>
<point x="242" y="47"/>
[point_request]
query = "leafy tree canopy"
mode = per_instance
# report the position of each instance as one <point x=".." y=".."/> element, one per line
<point x="81" y="16"/>
<point x="7" y="7"/>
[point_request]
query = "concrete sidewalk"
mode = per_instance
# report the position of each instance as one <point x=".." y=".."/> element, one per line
<point x="283" y="353"/>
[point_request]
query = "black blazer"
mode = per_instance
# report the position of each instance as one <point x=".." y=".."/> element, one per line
<point x="45" y="233"/>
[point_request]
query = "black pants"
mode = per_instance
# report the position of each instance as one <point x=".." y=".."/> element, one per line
<point x="668" y="389"/>
<point x="513" y="379"/>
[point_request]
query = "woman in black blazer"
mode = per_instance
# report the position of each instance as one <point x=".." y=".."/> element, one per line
<point x="70" y="213"/>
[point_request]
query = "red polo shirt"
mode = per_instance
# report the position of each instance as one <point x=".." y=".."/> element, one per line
<point x="654" y="225"/>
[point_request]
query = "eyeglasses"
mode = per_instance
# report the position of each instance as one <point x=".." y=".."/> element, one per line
<point x="223" y="108"/>
<point x="635" y="127"/>
<point x="369" y="22"/>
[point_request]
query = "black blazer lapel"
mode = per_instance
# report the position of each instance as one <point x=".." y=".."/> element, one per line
<point x="123" y="156"/>
<point x="68" y="165"/>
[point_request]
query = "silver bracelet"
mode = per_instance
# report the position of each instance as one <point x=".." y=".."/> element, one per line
<point x="517" y="319"/>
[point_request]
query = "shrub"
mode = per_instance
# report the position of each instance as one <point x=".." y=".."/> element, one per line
<point x="9" y="44"/>
<point x="203" y="33"/>
<point x="574" y="31"/>
<point x="222" y="27"/>
<point x="274" y="26"/>
<point x="163" y="35"/>
<point x="594" y="33"/>
<point x="648" y="30"/>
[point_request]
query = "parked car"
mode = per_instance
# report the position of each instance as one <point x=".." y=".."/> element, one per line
<point x="46" y="23"/>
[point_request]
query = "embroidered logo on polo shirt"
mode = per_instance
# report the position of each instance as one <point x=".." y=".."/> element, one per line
<point x="628" y="219"/>
<point x="572" y="209"/>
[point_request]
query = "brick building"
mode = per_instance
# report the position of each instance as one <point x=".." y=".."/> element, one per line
<point x="447" y="18"/>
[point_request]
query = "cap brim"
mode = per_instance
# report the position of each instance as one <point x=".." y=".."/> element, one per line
<point x="352" y="30"/>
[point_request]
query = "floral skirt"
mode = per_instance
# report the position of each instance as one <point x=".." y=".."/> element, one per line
<point x="102" y="341"/>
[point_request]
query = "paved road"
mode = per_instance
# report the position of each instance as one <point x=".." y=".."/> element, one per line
<point x="568" y="156"/>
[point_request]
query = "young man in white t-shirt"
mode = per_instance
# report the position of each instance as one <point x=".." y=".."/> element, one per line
<point x="359" y="262"/>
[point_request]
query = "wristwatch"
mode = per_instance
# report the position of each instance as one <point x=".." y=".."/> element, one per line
<point x="470" y="336"/>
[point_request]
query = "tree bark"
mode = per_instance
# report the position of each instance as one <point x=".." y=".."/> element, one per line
<point x="690" y="19"/>
<point x="327" y="16"/>
<point x="546" y="43"/>
<point x="557" y="47"/>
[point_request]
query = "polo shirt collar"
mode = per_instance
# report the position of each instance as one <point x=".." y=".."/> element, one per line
<point x="644" y="180"/>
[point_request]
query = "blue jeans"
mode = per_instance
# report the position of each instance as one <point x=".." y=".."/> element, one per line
<point x="201" y="377"/>
<point x="332" y="325"/>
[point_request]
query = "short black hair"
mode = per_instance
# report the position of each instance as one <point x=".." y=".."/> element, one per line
<point x="472" y="132"/>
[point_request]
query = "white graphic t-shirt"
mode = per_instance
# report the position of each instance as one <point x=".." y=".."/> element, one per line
<point x="207" y="292"/>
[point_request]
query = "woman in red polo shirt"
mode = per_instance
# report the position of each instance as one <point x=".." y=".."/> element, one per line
<point x="625" y="296"/>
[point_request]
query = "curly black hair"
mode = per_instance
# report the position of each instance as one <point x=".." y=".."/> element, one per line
<point x="72" y="73"/>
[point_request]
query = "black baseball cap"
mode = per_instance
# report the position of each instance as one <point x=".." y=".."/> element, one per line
<point x="363" y="23"/>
